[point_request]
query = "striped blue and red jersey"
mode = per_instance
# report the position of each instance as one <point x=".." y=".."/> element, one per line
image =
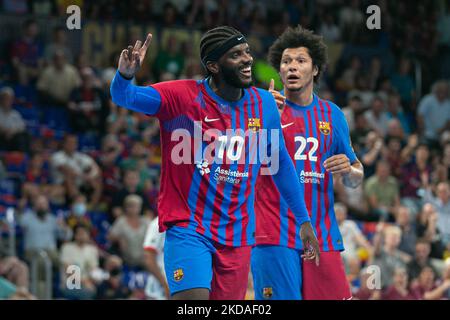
<point x="212" y="150"/>
<point x="312" y="134"/>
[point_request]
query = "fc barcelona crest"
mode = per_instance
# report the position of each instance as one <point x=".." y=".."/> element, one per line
<point x="178" y="274"/>
<point x="324" y="127"/>
<point x="254" y="124"/>
<point x="267" y="292"/>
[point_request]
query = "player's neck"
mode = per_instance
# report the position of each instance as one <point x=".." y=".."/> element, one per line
<point x="224" y="90"/>
<point x="303" y="97"/>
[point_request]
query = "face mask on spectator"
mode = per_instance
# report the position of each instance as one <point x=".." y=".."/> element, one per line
<point x="79" y="209"/>
<point x="41" y="213"/>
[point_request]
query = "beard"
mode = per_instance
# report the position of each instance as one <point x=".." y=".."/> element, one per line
<point x="231" y="77"/>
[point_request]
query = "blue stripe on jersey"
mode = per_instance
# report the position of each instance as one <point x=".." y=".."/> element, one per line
<point x="225" y="215"/>
<point x="251" y="153"/>
<point x="322" y="139"/>
<point x="237" y="228"/>
<point x="194" y="189"/>
<point x="300" y="165"/>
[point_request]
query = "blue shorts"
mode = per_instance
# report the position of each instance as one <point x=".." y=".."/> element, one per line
<point x="192" y="260"/>
<point x="277" y="273"/>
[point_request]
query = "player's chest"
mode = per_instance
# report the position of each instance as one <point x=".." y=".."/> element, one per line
<point x="308" y="135"/>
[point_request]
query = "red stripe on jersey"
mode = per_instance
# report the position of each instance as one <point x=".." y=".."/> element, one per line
<point x="326" y="182"/>
<point x="200" y="205"/>
<point x="309" y="168"/>
<point x="235" y="188"/>
<point x="259" y="106"/>
<point x="290" y="145"/>
<point x="322" y="112"/>
<point x="320" y="194"/>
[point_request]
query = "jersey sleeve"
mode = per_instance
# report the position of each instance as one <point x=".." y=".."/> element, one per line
<point x="136" y="98"/>
<point x="342" y="137"/>
<point x="282" y="168"/>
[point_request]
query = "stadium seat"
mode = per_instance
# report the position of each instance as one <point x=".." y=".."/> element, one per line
<point x="15" y="163"/>
<point x="55" y="118"/>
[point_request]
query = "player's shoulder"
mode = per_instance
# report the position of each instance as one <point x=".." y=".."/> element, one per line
<point x="263" y="93"/>
<point x="329" y="104"/>
<point x="177" y="84"/>
<point x="331" y="107"/>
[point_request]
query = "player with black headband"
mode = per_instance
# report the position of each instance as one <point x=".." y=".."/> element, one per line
<point x="206" y="201"/>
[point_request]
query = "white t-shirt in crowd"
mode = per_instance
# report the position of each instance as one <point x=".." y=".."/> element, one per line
<point x="154" y="240"/>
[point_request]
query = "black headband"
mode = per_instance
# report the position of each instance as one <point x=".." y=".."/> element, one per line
<point x="218" y="52"/>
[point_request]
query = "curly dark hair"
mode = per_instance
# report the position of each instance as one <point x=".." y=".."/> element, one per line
<point x="300" y="37"/>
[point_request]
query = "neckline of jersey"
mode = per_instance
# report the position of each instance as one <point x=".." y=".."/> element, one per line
<point x="301" y="108"/>
<point x="220" y="100"/>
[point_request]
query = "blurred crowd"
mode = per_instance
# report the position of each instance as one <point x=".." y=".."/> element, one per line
<point x="82" y="175"/>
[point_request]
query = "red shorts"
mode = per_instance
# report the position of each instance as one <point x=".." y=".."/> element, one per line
<point x="231" y="266"/>
<point x="326" y="281"/>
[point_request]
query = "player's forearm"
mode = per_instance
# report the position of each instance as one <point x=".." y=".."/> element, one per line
<point x="136" y="98"/>
<point x="153" y="268"/>
<point x="355" y="177"/>
<point x="289" y="186"/>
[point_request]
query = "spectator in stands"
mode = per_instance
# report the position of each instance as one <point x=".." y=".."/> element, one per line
<point x="355" y="200"/>
<point x="78" y="214"/>
<point x="382" y="191"/>
<point x="387" y="255"/>
<point x="112" y="287"/>
<point x="88" y="105"/>
<point x="395" y="111"/>
<point x="13" y="269"/>
<point x="395" y="130"/>
<point x="441" y="203"/>
<point x="368" y="289"/>
<point x="377" y="117"/>
<point x="404" y="221"/>
<point x="351" y="19"/>
<point x="434" y="113"/>
<point x="83" y="254"/>
<point x="426" y="288"/>
<point x="42" y="230"/>
<point x="76" y="171"/>
<point x="362" y="90"/>
<point x="108" y="159"/>
<point x="347" y="81"/>
<point x="57" y="81"/>
<point x="13" y="134"/>
<point x="137" y="160"/>
<point x="403" y="82"/>
<point x="59" y="43"/>
<point x="414" y="172"/>
<point x="122" y="121"/>
<point x="359" y="134"/>
<point x="354" y="106"/>
<point x="352" y="236"/>
<point x="426" y="228"/>
<point x="329" y="30"/>
<point x="421" y="259"/>
<point x="11" y="292"/>
<point x="130" y="186"/>
<point x="169" y="59"/>
<point x="390" y="153"/>
<point x="371" y="152"/>
<point x="399" y="290"/>
<point x="128" y="231"/>
<point x="26" y="54"/>
<point x="374" y="74"/>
